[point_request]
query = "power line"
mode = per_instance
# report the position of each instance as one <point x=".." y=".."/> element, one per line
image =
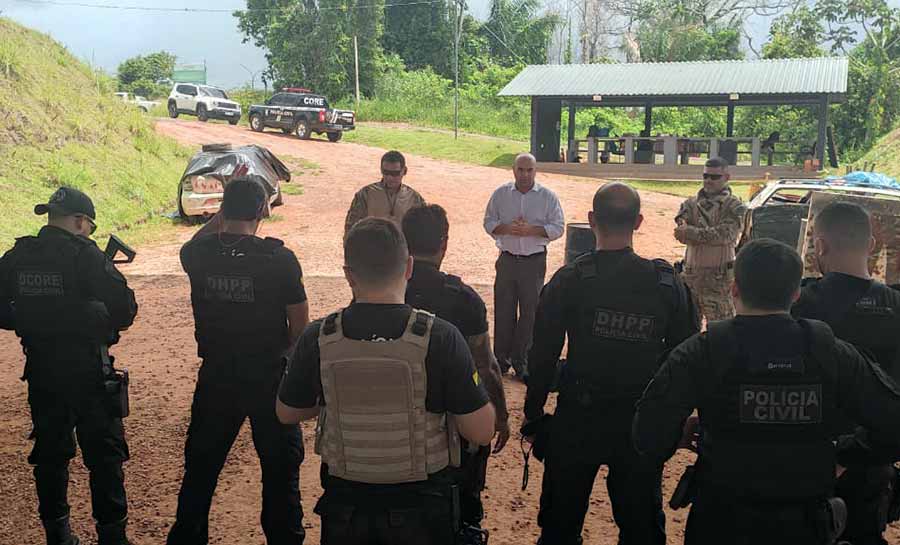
<point x="508" y="48"/>
<point x="212" y="10"/>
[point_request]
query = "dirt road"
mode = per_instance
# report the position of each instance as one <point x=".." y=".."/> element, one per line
<point x="160" y="350"/>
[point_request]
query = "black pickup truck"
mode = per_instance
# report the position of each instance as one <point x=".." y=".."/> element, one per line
<point x="302" y="113"/>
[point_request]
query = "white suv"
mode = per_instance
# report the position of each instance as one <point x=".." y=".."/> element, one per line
<point x="203" y="101"/>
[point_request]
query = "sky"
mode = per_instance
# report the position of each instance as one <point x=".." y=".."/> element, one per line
<point x="106" y="37"/>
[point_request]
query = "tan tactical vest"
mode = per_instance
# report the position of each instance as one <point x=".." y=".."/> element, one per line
<point x="374" y="427"/>
<point x="379" y="204"/>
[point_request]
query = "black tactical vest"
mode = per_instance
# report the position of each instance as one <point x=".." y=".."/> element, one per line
<point x="617" y="335"/>
<point x="765" y="424"/>
<point x="238" y="306"/>
<point x="49" y="302"/>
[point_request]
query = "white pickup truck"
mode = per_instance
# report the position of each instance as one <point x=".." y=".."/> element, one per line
<point x="139" y="101"/>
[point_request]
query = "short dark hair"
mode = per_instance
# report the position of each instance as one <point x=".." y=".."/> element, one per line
<point x="846" y="225"/>
<point x="244" y="199"/>
<point x="767" y="273"/>
<point x="616" y="208"/>
<point x="375" y="251"/>
<point x="425" y="228"/>
<point x="716" y="162"/>
<point x="394" y="156"/>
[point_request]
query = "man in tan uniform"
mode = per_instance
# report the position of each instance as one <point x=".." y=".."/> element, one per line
<point x="388" y="198"/>
<point x="709" y="224"/>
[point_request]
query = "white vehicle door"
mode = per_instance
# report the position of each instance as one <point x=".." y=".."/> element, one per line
<point x="186" y="97"/>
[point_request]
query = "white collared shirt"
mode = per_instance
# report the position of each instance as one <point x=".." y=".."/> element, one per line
<point x="539" y="206"/>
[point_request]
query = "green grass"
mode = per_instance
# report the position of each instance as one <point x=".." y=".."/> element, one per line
<point x="686" y="189"/>
<point x="479" y="150"/>
<point x="885" y="154"/>
<point x="64" y="126"/>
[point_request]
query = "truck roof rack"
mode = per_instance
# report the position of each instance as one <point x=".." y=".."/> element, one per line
<point x="295" y="90"/>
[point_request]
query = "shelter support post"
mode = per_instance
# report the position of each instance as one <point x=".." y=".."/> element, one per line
<point x="754" y="151"/>
<point x="823" y="129"/>
<point x="670" y="150"/>
<point x="592" y="150"/>
<point x="629" y="150"/>
<point x="729" y="123"/>
<point x="713" y="147"/>
<point x="572" y="149"/>
<point x="648" y="119"/>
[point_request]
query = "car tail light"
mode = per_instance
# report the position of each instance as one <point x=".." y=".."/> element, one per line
<point x="322" y="117"/>
<point x="204" y="184"/>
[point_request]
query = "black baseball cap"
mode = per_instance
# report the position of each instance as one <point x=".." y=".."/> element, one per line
<point x="67" y="201"/>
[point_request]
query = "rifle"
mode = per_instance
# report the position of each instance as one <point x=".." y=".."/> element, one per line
<point x="116" y="246"/>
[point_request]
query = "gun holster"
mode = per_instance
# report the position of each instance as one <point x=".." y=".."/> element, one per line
<point x="832" y="520"/>
<point x="686" y="490"/>
<point x="115" y="385"/>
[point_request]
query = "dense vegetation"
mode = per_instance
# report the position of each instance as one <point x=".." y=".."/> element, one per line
<point x="63" y="126"/>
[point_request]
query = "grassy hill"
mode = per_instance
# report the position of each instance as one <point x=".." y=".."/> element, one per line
<point x="885" y="154"/>
<point x="61" y="125"/>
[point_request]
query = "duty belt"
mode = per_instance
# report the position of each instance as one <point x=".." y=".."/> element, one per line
<point x="718" y="268"/>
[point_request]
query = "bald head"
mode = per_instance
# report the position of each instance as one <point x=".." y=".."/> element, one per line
<point x="617" y="208"/>
<point x="524" y="169"/>
<point x="845" y="226"/>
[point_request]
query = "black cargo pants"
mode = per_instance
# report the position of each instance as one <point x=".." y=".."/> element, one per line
<point x="409" y="515"/>
<point x="581" y="440"/>
<point x="59" y="416"/>
<point x="473" y="475"/>
<point x="718" y="518"/>
<point x="222" y="401"/>
<point x="867" y="492"/>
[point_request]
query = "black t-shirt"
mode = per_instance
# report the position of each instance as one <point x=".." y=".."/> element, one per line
<point x="862" y="312"/>
<point x="448" y="297"/>
<point x="241" y="287"/>
<point x="452" y="386"/>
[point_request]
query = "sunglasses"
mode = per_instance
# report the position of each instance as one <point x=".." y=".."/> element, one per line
<point x="714" y="177"/>
<point x="392" y="172"/>
<point x="89" y="220"/>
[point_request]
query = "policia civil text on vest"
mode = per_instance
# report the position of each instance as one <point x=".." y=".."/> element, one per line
<point x="768" y="389"/>
<point x="68" y="303"/>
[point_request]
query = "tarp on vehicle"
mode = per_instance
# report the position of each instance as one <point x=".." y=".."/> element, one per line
<point x="255" y="162"/>
<point x="869" y="179"/>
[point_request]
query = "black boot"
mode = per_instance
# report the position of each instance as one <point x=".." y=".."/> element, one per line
<point x="112" y="533"/>
<point x="59" y="532"/>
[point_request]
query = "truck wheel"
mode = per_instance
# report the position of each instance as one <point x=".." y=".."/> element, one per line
<point x="287" y="131"/>
<point x="301" y="129"/>
<point x="173" y="110"/>
<point x="335" y="136"/>
<point x="233" y="121"/>
<point x="256" y="123"/>
<point x="201" y="113"/>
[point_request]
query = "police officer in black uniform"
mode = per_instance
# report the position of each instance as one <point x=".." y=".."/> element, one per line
<point x="387" y="473"/>
<point x="768" y="389"/>
<point x="68" y="305"/>
<point x="620" y="312"/>
<point x="249" y="308"/>
<point x="865" y="313"/>
<point x="427" y="230"/>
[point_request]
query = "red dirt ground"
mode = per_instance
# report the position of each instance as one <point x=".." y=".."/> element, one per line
<point x="160" y="352"/>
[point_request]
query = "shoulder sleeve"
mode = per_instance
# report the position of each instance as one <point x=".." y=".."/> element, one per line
<point x="461" y="387"/>
<point x="301" y="387"/>
<point x="105" y="283"/>
<point x="358" y="209"/>
<point x="474" y="313"/>
<point x="866" y="393"/>
<point x="685" y="320"/>
<point x="186" y="255"/>
<point x="669" y="399"/>
<point x="550" y="334"/>
<point x="291" y="278"/>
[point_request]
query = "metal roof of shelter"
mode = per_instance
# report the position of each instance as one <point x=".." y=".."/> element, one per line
<point x="683" y="83"/>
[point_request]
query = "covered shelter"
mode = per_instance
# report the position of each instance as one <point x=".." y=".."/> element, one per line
<point x="815" y="82"/>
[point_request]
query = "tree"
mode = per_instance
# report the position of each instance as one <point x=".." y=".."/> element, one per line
<point x="517" y="33"/>
<point x="144" y="74"/>
<point x="420" y="34"/>
<point x="795" y="34"/>
<point x="310" y="43"/>
<point x="873" y="102"/>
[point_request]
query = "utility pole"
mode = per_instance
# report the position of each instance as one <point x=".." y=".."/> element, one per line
<point x="457" y="31"/>
<point x="356" y="64"/>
